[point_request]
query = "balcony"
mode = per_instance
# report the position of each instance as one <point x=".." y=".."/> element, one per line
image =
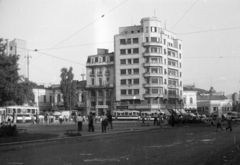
<point x="99" y="86"/>
<point x="100" y="64"/>
<point x="155" y="95"/>
<point x="152" y="54"/>
<point x="107" y="73"/>
<point x="149" y="74"/>
<point x="100" y="73"/>
<point x="92" y="74"/>
<point x="172" y="47"/>
<point x="153" y="85"/>
<point x="152" y="44"/>
<point x="173" y="76"/>
<point x="148" y="64"/>
<point x="173" y="67"/>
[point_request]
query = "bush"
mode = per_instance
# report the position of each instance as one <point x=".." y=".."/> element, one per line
<point x="8" y="130"/>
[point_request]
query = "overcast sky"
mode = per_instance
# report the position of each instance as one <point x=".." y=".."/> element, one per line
<point x="211" y="55"/>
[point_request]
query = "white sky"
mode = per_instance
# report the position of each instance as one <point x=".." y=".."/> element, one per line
<point x="209" y="59"/>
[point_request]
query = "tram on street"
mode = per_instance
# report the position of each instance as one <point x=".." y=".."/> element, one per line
<point x="126" y="115"/>
<point x="23" y="113"/>
<point x="233" y="116"/>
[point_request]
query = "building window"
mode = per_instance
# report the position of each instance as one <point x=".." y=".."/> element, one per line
<point x="93" y="94"/>
<point x="93" y="103"/>
<point x="58" y="98"/>
<point x="154" y="70"/>
<point x="164" y="41"/>
<point x="107" y="79"/>
<point x="147" y="39"/>
<point x="135" y="50"/>
<point x="138" y="31"/>
<point x="135" y="91"/>
<point x="154" y="80"/>
<point x="153" y="39"/>
<point x="135" y="40"/>
<point x="100" y="102"/>
<point x="96" y="59"/>
<point x="123" y="61"/>
<point x="136" y="81"/>
<point x="122" y="41"/>
<point x="100" y="93"/>
<point x="135" y="60"/>
<point x="92" y="81"/>
<point x="129" y="81"/>
<point x="129" y="61"/>
<point x="179" y="46"/>
<point x="123" y="92"/>
<point x="123" y="71"/>
<point x="184" y="100"/>
<point x="122" y="51"/>
<point x="11" y="48"/>
<point x="129" y="51"/>
<point x="129" y="71"/>
<point x="50" y="98"/>
<point x="100" y="81"/>
<point x="111" y="58"/>
<point x="135" y="71"/>
<point x="154" y="90"/>
<point x="130" y="92"/>
<point x="146" y="29"/>
<point x="44" y="99"/>
<point x="123" y="82"/>
<point x="129" y="41"/>
<point x="191" y="100"/>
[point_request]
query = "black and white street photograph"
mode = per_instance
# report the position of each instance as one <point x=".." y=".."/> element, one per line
<point x="119" y="82"/>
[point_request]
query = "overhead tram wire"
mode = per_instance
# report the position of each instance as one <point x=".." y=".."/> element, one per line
<point x="184" y="14"/>
<point x="81" y="29"/>
<point x="205" y="31"/>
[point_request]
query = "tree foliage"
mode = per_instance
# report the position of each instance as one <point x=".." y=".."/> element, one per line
<point x="68" y="88"/>
<point x="14" y="89"/>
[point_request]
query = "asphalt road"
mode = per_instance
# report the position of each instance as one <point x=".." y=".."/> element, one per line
<point x="193" y="145"/>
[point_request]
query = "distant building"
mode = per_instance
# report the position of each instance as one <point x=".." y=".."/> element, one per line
<point x="50" y="98"/>
<point x="148" y="67"/>
<point x="100" y="82"/>
<point x="209" y="102"/>
<point x="190" y="99"/>
<point x="19" y="47"/>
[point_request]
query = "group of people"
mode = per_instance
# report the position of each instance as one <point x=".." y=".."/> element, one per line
<point x="216" y="122"/>
<point x="105" y="121"/>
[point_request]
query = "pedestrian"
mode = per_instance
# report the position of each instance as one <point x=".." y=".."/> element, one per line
<point x="104" y="123"/>
<point x="160" y="120"/>
<point x="218" y="121"/>
<point x="60" y="119"/>
<point x="229" y="125"/>
<point x="79" y="120"/>
<point x="155" y="120"/>
<point x="33" y="120"/>
<point x="90" y="123"/>
<point x="109" y="120"/>
<point x="212" y="122"/>
<point x="173" y="120"/>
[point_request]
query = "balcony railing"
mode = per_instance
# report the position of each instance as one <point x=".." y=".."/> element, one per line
<point x="100" y="73"/>
<point x="100" y="86"/>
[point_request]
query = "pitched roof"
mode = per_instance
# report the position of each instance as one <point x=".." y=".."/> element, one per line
<point x="213" y="97"/>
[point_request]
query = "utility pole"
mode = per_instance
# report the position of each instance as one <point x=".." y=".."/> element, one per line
<point x="28" y="63"/>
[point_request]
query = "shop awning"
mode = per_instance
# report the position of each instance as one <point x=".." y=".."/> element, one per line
<point x="166" y="112"/>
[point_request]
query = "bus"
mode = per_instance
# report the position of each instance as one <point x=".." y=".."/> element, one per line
<point x="23" y="113"/>
<point x="126" y="115"/>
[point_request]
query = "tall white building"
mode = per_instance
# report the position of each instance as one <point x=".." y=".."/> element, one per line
<point x="19" y="47"/>
<point x="148" y="67"/>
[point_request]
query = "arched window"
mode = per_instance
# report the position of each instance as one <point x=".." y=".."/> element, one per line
<point x="191" y="100"/>
<point x="184" y="100"/>
<point x="100" y="93"/>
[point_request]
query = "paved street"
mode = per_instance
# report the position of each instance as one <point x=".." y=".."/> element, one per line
<point x="179" y="145"/>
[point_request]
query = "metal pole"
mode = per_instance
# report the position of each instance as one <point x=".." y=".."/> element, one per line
<point x="28" y="64"/>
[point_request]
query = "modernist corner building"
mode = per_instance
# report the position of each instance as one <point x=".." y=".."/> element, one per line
<point x="147" y="69"/>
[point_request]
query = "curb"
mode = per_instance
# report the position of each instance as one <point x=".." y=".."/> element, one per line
<point x="75" y="137"/>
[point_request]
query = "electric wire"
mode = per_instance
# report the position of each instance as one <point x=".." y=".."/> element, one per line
<point x="184" y="14"/>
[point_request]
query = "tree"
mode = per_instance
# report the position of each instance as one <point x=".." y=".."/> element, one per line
<point x="8" y="75"/>
<point x="68" y="88"/>
<point x="14" y="89"/>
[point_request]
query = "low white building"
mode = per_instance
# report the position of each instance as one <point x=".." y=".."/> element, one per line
<point x="190" y="98"/>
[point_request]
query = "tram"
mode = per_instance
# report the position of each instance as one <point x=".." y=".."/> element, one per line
<point x="23" y="113"/>
<point x="126" y="115"/>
